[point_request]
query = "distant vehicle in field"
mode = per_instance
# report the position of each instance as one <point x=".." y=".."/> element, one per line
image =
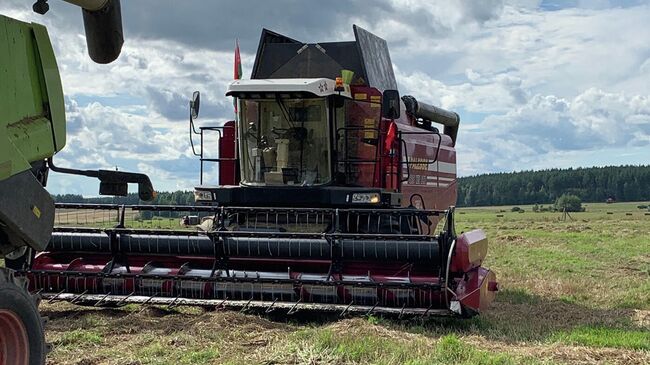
<point x="189" y="220"/>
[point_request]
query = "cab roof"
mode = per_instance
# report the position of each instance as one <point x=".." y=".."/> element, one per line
<point x="267" y="88"/>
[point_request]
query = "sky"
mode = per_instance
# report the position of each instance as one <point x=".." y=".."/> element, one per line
<point x="537" y="84"/>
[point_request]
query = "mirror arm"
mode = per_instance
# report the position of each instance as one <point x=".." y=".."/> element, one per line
<point x="193" y="131"/>
<point x="192" y="126"/>
<point x="194" y="112"/>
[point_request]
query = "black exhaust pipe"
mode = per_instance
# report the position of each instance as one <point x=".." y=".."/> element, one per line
<point x="103" y="26"/>
<point x="104" y="34"/>
<point x="433" y="114"/>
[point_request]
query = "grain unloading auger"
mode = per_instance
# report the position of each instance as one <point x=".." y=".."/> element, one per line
<point x="331" y="190"/>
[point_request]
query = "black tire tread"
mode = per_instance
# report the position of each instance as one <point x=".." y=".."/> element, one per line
<point x="15" y="296"/>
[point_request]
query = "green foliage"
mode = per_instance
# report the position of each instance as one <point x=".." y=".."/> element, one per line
<point x="366" y="347"/>
<point x="373" y="320"/>
<point x="599" y="336"/>
<point x="569" y="203"/>
<point x="515" y="209"/>
<point x="642" y="206"/>
<point x="68" y="198"/>
<point x="543" y="209"/>
<point x="80" y="337"/>
<point x="163" y="198"/>
<point x="595" y="184"/>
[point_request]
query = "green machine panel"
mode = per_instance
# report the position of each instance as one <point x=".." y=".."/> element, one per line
<point x="32" y="110"/>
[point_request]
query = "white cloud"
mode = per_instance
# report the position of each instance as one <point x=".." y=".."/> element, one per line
<point x="481" y="94"/>
<point x="547" y="128"/>
<point x="103" y="137"/>
<point x="562" y="52"/>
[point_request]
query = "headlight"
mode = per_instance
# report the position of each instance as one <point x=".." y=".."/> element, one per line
<point x="202" y="195"/>
<point x="366" y="198"/>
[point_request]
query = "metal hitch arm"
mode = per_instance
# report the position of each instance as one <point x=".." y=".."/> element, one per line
<point x="113" y="182"/>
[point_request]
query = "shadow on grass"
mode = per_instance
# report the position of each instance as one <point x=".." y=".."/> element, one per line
<point x="518" y="316"/>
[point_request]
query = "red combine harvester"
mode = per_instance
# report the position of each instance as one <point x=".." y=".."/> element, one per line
<point x="332" y="189"/>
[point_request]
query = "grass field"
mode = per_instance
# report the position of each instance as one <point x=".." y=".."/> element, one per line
<point x="574" y="291"/>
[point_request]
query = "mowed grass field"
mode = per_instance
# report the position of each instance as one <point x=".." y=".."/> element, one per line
<point x="574" y="291"/>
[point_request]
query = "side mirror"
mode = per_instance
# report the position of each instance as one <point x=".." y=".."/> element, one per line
<point x="194" y="104"/>
<point x="390" y="104"/>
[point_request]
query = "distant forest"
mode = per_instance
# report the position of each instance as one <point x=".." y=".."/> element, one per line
<point x="594" y="184"/>
<point x="163" y="198"/>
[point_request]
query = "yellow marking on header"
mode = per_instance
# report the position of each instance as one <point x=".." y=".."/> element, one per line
<point x="360" y="96"/>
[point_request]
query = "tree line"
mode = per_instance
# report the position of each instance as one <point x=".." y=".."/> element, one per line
<point x="162" y="198"/>
<point x="593" y="184"/>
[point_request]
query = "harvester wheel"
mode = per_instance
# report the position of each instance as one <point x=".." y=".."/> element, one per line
<point x="22" y="340"/>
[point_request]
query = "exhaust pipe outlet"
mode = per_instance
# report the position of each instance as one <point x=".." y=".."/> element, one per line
<point x="433" y="114"/>
<point x="103" y="25"/>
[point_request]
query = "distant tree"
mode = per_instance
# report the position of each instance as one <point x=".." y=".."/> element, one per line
<point x="68" y="198"/>
<point x="594" y="184"/>
<point x="173" y="198"/>
<point x="569" y="203"/>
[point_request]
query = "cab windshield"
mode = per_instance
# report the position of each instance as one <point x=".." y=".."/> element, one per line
<point x="285" y="142"/>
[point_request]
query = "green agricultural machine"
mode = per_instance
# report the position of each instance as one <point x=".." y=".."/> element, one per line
<point x="32" y="128"/>
<point x="32" y="131"/>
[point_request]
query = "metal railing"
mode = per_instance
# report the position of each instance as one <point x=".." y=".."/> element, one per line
<point x="201" y="154"/>
<point x="405" y="151"/>
<point x="257" y="220"/>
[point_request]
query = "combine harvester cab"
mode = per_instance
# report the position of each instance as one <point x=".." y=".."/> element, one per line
<point x="335" y="194"/>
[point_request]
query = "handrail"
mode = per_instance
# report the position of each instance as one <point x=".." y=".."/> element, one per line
<point x="200" y="154"/>
<point x="435" y="159"/>
<point x="350" y="160"/>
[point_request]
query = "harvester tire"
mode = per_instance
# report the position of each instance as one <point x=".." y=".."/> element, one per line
<point x="22" y="339"/>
